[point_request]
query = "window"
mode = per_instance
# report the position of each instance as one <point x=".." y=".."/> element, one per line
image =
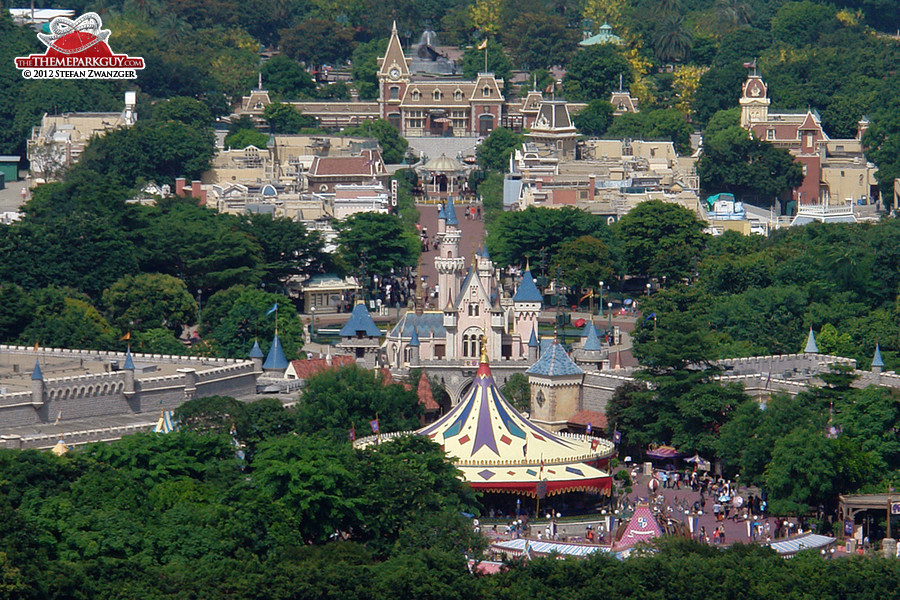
<point x="414" y="119"/>
<point x="472" y="343"/>
<point x="770" y="134"/>
<point x="809" y="139"/>
<point x="460" y="120"/>
<point x="473" y="310"/>
<point x="395" y="92"/>
<point x="436" y="95"/>
<point x="457" y="95"/>
<point x="416" y="95"/>
<point x="407" y="354"/>
<point x="486" y="91"/>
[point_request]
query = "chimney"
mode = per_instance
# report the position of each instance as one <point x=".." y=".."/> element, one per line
<point x="179" y="186"/>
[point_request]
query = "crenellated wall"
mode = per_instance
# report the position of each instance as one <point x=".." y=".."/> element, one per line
<point x="121" y="392"/>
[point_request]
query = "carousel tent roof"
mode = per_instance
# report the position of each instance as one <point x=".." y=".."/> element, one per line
<point x="497" y="448"/>
<point x="641" y="528"/>
<point x="444" y="164"/>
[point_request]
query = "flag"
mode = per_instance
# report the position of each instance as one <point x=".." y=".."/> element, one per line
<point x="594" y="443"/>
<point x="374" y="425"/>
<point x="35" y="346"/>
<point x="352" y="434"/>
<point x="542" y="465"/>
<point x="125" y="337"/>
<point x="483" y="44"/>
<point x="750" y="65"/>
<point x="587" y="429"/>
<point x="768" y="379"/>
<point x="273" y="309"/>
<point x="525" y="449"/>
<point x="589" y="294"/>
<point x="617" y="437"/>
<point x="650" y="316"/>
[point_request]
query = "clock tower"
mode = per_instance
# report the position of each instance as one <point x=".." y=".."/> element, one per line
<point x="393" y="78"/>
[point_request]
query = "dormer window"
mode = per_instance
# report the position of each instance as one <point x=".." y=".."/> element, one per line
<point x="457" y="95"/>
<point x="416" y="95"/>
<point x="436" y="95"/>
<point x="486" y="91"/>
<point x="770" y="134"/>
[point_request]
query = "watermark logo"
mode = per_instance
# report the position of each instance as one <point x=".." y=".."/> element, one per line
<point x="78" y="50"/>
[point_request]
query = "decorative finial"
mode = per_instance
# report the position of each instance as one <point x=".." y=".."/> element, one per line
<point x="484" y="355"/>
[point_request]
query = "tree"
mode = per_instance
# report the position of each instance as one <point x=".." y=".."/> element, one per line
<point x="287" y="79"/>
<point x="284" y="118"/>
<point x="671" y="42"/>
<point x="220" y="415"/>
<point x="661" y="239"/>
<point x="365" y="67"/>
<point x="485" y="16"/>
<point x="515" y="236"/>
<point x="16" y="311"/>
<point x="541" y="40"/>
<point x="287" y="248"/>
<point x="149" y="301"/>
<point x="317" y="41"/>
<point x="498" y="63"/>
<point x="373" y="243"/>
<point x="668" y="123"/>
<point x="393" y="146"/>
<point x="740" y="163"/>
<point x="64" y="320"/>
<point x="584" y="262"/>
<point x="882" y="140"/>
<point x="517" y="392"/>
<point x="494" y="152"/>
<point x="595" y="118"/>
<point x="184" y="110"/>
<point x="593" y="73"/>
<point x="802" y="23"/>
<point x="336" y="400"/>
<point x="242" y="138"/>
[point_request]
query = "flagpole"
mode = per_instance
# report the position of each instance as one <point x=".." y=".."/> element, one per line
<point x="276" y="318"/>
<point x="485" y="55"/>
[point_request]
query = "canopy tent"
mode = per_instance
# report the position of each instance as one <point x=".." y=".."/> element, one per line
<point x="807" y="541"/>
<point x="166" y="422"/>
<point x="520" y="546"/>
<point x="499" y="450"/>
<point x="664" y="453"/>
<point x="700" y="462"/>
<point x="60" y="448"/>
<point x="641" y="528"/>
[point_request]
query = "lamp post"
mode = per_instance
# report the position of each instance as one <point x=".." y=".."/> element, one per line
<point x="312" y="326"/>
<point x="199" y="309"/>
<point x="601" y="299"/>
<point x="648" y="289"/>
<point x="611" y="336"/>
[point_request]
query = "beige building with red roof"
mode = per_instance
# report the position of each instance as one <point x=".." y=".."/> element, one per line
<point x="326" y="172"/>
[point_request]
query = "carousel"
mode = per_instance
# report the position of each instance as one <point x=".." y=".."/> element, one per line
<point x="444" y="178"/>
<point x="499" y="450"/>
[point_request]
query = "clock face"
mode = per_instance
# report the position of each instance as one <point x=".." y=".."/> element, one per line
<point x="394" y="73"/>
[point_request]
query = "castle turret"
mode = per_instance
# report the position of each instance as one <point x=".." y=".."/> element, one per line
<point x="533" y="346"/>
<point x="555" y="381"/>
<point x="527" y="306"/>
<point x="257" y="356"/>
<point x="449" y="264"/>
<point x="811" y="347"/>
<point x="414" y="348"/>
<point x="877" y="361"/>
<point x="37" y="384"/>
<point x="128" y="371"/>
<point x="276" y="362"/>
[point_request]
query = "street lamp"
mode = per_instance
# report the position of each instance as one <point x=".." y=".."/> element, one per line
<point x="601" y="299"/>
<point x="312" y="326"/>
<point x="648" y="289"/>
<point x="611" y="336"/>
<point x="199" y="309"/>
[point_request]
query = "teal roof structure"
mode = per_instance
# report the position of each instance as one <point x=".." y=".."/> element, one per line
<point x="877" y="361"/>
<point x="532" y="341"/>
<point x="604" y="36"/>
<point x="450" y="213"/>
<point x="360" y="321"/>
<point x="129" y="362"/>
<point x="37" y="375"/>
<point x="527" y="291"/>
<point x="414" y="341"/>
<point x="554" y="362"/>
<point x="811" y="347"/>
<point x="276" y="360"/>
<point x="256" y="351"/>
<point x="592" y="342"/>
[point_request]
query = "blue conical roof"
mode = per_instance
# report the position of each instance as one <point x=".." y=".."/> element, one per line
<point x="554" y="361"/>
<point x="414" y="341"/>
<point x="592" y="342"/>
<point x="527" y="291"/>
<point x="877" y="361"/>
<point x="360" y="320"/>
<point x="129" y="362"/>
<point x="811" y="347"/>
<point x="532" y="341"/>
<point x="256" y="351"/>
<point x="450" y="213"/>
<point x="37" y="374"/>
<point x="441" y="213"/>
<point x="276" y="360"/>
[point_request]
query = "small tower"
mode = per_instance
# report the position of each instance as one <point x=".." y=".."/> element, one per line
<point x="276" y="361"/>
<point x="449" y="264"/>
<point x="591" y="352"/>
<point x="811" y="347"/>
<point x="533" y="346"/>
<point x="128" y="372"/>
<point x="257" y="356"/>
<point x="37" y="384"/>
<point x="754" y="101"/>
<point x="362" y="337"/>
<point x="485" y="269"/>
<point x="877" y="361"/>
<point x="555" y="381"/>
<point x="414" y="348"/>
<point x="527" y="306"/>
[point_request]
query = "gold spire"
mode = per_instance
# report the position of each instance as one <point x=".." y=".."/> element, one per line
<point x="484" y="355"/>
